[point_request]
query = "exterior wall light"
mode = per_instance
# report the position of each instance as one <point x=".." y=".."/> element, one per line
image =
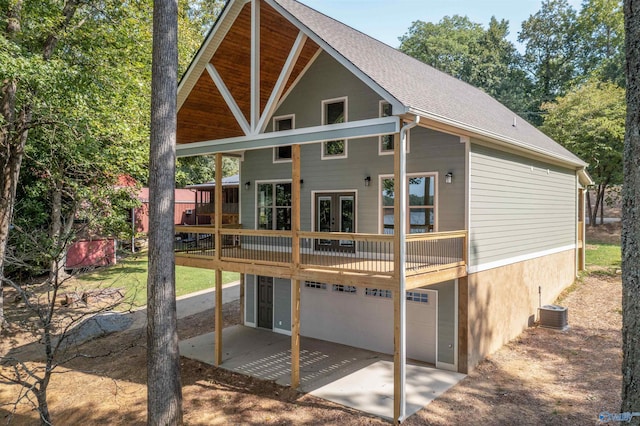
<point x="448" y="178"/>
<point x="367" y="181"/>
<point x="247" y="185"/>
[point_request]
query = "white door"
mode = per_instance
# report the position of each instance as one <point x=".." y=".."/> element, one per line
<point x="422" y="325"/>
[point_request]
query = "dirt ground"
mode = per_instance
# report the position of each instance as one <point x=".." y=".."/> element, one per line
<point x="542" y="377"/>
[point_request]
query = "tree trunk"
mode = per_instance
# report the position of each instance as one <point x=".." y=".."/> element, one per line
<point x="13" y="137"/>
<point x="631" y="218"/>
<point x="43" y="407"/>
<point x="164" y="405"/>
<point x="601" y="194"/>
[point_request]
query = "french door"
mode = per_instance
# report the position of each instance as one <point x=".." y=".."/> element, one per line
<point x="335" y="212"/>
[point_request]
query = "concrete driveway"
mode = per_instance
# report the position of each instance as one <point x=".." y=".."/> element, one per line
<point x="349" y="376"/>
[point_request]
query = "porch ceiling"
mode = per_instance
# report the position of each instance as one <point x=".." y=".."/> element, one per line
<point x="205" y="115"/>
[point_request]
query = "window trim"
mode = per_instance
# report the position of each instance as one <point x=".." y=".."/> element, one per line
<point x="255" y="195"/>
<point x="409" y="175"/>
<point x="344" y="99"/>
<point x="275" y="148"/>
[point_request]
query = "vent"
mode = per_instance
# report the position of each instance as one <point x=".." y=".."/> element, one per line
<point x="554" y="316"/>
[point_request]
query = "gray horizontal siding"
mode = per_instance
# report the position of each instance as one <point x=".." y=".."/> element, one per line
<point x="518" y="206"/>
<point x="430" y="151"/>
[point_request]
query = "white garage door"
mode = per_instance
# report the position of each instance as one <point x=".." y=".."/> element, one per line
<point x="364" y="318"/>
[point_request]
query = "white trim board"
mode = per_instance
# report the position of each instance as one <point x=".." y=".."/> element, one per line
<point x="517" y="259"/>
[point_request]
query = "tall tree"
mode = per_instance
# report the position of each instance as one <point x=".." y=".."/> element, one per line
<point x="600" y="27"/>
<point x="62" y="68"/>
<point x="550" y="48"/>
<point x="164" y="389"/>
<point x="483" y="58"/>
<point x="589" y="121"/>
<point x="631" y="218"/>
<point x="445" y="45"/>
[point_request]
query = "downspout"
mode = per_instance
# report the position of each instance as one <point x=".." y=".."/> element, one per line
<point x="402" y="229"/>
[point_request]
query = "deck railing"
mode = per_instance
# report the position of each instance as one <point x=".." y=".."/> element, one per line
<point x="435" y="250"/>
<point x="347" y="252"/>
<point x="344" y="252"/>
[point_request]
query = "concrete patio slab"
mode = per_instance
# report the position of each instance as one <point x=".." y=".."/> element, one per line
<point x="353" y="377"/>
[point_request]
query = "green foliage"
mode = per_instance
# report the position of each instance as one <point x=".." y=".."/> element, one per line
<point x="551" y="49"/>
<point x="590" y="122"/>
<point x="483" y="58"/>
<point x="202" y="169"/>
<point x="446" y="45"/>
<point x="601" y="40"/>
<point x="90" y="100"/>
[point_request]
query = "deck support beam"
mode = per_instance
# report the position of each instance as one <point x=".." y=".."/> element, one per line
<point x="295" y="334"/>
<point x="295" y="258"/>
<point x="242" y="300"/>
<point x="218" y="245"/>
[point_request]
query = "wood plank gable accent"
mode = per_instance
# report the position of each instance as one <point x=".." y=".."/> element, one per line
<point x="277" y="36"/>
<point x="205" y="115"/>
<point x="232" y="60"/>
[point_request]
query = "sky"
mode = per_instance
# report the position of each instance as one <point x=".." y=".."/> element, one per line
<point x="386" y="20"/>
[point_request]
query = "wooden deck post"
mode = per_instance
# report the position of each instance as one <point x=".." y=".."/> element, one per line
<point x="295" y="257"/>
<point x="218" y="319"/>
<point x="242" y="307"/>
<point x="295" y="334"/>
<point x="218" y="246"/>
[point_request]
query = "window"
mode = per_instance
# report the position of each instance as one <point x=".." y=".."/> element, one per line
<point x="376" y="292"/>
<point x="334" y="111"/>
<point x="314" y="284"/>
<point x="421" y="209"/>
<point x="386" y="141"/>
<point x="414" y="296"/>
<point x="274" y="205"/>
<point x="282" y="154"/>
<point x="344" y="288"/>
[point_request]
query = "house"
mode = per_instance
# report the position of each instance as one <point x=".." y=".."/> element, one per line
<point x="205" y="195"/>
<point x="183" y="211"/>
<point x="385" y="204"/>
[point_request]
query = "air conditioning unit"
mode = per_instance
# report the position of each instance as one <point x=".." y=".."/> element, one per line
<point x="554" y="316"/>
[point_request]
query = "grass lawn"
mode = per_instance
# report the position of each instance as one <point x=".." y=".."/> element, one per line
<point x="131" y="273"/>
<point x="606" y="256"/>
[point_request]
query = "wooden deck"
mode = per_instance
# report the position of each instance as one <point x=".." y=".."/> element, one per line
<point x="353" y="259"/>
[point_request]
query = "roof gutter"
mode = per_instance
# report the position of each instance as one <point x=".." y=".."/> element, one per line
<point x="498" y="138"/>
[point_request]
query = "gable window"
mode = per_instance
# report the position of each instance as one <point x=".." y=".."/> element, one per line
<point x="386" y="141"/>
<point x="334" y="111"/>
<point x="273" y="201"/>
<point x="282" y="154"/>
<point x="421" y="196"/>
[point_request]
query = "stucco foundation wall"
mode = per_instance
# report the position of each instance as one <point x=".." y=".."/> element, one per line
<point x="502" y="302"/>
